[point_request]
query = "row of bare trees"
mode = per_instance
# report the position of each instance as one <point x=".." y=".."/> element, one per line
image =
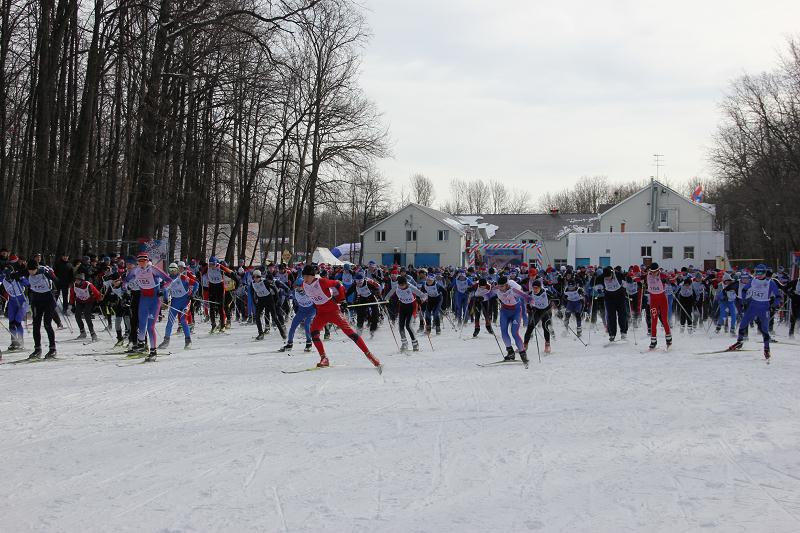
<point x="589" y="195"/>
<point x="756" y="157"/>
<point x="466" y="196"/>
<point x="123" y="120"/>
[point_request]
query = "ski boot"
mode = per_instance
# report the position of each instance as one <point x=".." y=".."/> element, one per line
<point x="718" y="329"/>
<point x="260" y="337"/>
<point x="611" y="338"/>
<point x="546" y="347"/>
<point x="286" y="348"/>
<point x="415" y="345"/>
<point x="327" y="335"/>
<point x="36" y="353"/>
<point x="524" y="356"/>
<point x="51" y="353"/>
<point x="404" y="346"/>
<point x="669" y="341"/>
<point x="138" y="347"/>
<point x="623" y="336"/>
<point x="81" y="335"/>
<point x="151" y="357"/>
<point x="509" y="354"/>
<point x="187" y="343"/>
<point x="475" y="333"/>
<point x="489" y="329"/>
<point x="323" y="362"/>
<point x="766" y="354"/>
<point x="308" y="347"/>
<point x="94" y="337"/>
<point x="120" y="342"/>
<point x="375" y="362"/>
<point x="735" y="346"/>
<point x="653" y="343"/>
<point x="438" y="329"/>
<point x="164" y="343"/>
<point x="371" y="334"/>
<point x="578" y="332"/>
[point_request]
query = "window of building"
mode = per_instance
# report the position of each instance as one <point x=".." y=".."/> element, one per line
<point x="667" y="252"/>
<point x="380" y="236"/>
<point x="558" y="263"/>
<point x="688" y="252"/>
<point x="443" y="235"/>
<point x="647" y="251"/>
<point x="411" y="235"/>
<point x="664" y="217"/>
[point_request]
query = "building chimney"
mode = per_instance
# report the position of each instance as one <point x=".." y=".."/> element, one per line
<point x="554" y="211"/>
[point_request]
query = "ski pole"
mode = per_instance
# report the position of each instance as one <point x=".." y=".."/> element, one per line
<point x="368" y="304"/>
<point x="630" y="321"/>
<point x="576" y="335"/>
<point x="391" y="328"/>
<point x="536" y="336"/>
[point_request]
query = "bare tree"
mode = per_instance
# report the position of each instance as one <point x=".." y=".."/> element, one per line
<point x="422" y="190"/>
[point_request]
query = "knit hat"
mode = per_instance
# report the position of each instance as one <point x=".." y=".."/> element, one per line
<point x="309" y="270"/>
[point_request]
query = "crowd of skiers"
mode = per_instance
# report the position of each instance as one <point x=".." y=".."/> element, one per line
<point x="129" y="295"/>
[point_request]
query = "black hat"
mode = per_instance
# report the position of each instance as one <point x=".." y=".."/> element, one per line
<point x="502" y="280"/>
<point x="537" y="283"/>
<point x="309" y="270"/>
<point x="653" y="267"/>
<point x="33" y="265"/>
<point x="608" y="272"/>
<point x="482" y="282"/>
<point x="402" y="280"/>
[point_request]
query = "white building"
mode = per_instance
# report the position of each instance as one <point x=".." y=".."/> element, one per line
<point x="416" y="235"/>
<point x="671" y="250"/>
<point x="656" y="207"/>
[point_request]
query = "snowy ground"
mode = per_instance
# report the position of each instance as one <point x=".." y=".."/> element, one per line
<point x="218" y="439"/>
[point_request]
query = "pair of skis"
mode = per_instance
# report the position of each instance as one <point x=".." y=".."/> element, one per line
<point x="502" y="362"/>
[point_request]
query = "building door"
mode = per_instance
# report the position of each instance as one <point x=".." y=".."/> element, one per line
<point x="393" y="259"/>
<point x="582" y="262"/>
<point x="605" y="261"/>
<point x="426" y="260"/>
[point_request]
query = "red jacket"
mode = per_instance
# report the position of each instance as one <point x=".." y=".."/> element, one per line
<point x="94" y="294"/>
<point x="330" y="288"/>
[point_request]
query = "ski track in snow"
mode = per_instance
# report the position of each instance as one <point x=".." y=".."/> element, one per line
<point x="217" y="439"/>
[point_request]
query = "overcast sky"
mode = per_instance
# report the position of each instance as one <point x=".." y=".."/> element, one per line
<point x="540" y="93"/>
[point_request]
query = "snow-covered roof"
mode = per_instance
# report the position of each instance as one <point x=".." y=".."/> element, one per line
<point x="473" y="222"/>
<point x="507" y="227"/>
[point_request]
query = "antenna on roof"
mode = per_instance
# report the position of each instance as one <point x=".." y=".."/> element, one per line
<point x="658" y="163"/>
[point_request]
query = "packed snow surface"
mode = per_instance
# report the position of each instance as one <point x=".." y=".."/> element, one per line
<point x="218" y="439"/>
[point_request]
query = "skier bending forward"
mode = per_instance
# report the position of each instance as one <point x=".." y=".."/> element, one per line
<point x="326" y="295"/>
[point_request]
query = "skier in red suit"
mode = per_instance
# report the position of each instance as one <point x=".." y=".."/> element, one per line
<point x="658" y="304"/>
<point x="327" y="295"/>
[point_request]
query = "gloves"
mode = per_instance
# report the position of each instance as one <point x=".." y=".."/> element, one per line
<point x="343" y="306"/>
